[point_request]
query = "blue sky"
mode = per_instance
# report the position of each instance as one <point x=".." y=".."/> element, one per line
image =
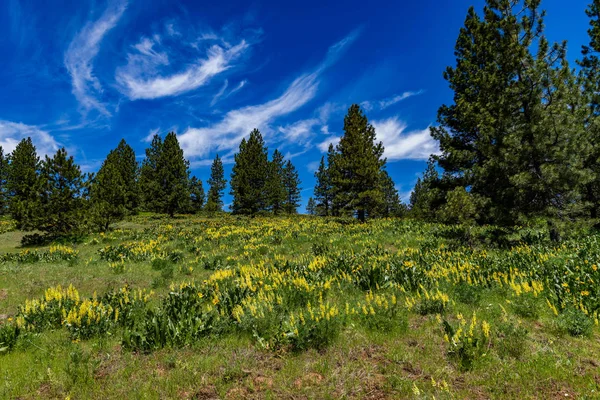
<point x="84" y="74"/>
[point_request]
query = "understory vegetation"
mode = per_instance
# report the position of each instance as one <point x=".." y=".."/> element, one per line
<point x="320" y="307"/>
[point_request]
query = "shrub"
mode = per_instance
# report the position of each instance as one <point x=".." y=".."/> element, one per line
<point x="379" y="312"/>
<point x="575" y="322"/>
<point x="467" y="344"/>
<point x="176" y="256"/>
<point x="467" y="294"/>
<point x="526" y="306"/>
<point x="512" y="340"/>
<point x="313" y="327"/>
<point x="9" y="333"/>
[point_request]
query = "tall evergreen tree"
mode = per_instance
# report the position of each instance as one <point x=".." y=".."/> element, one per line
<point x="3" y="181"/>
<point x="164" y="176"/>
<point x="124" y="159"/>
<point x="149" y="182"/>
<point x="249" y="176"/>
<point x="275" y="189"/>
<point x="391" y="206"/>
<point x="196" y="195"/>
<point x="291" y="183"/>
<point x="323" y="193"/>
<point x="114" y="191"/>
<point x="427" y="196"/>
<point x="357" y="167"/>
<point x="216" y="184"/>
<point x="173" y="177"/>
<point x="23" y="184"/>
<point x="108" y="195"/>
<point x="590" y="81"/>
<point x="61" y="208"/>
<point x="512" y="135"/>
<point x="311" y="207"/>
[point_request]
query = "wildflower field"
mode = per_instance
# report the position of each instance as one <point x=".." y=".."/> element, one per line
<point x="300" y="307"/>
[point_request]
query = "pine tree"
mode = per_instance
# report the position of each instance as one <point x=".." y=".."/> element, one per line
<point x="216" y="184"/>
<point x="357" y="167"/>
<point x="291" y="183"/>
<point x="3" y="181"/>
<point x="108" y="195"/>
<point x="196" y="195"/>
<point x="322" y="191"/>
<point x="513" y="135"/>
<point x="427" y="196"/>
<point x="114" y="189"/>
<point x="590" y="81"/>
<point x="249" y="176"/>
<point x="61" y="208"/>
<point x="172" y="174"/>
<point x="149" y="183"/>
<point x="124" y="159"/>
<point x="276" y="192"/>
<point x="23" y="184"/>
<point x="164" y="176"/>
<point x="311" y="207"/>
<point x="391" y="206"/>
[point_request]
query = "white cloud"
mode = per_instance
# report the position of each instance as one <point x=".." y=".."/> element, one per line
<point x="11" y="133"/>
<point x="81" y="53"/>
<point x="313" y="166"/>
<point x="238" y="87"/>
<point x="385" y="103"/>
<point x="236" y="124"/>
<point x="140" y="78"/>
<point x="399" y="144"/>
<point x="150" y="135"/>
<point x="299" y="132"/>
<point x="220" y="93"/>
<point x="171" y="31"/>
<point x="324" y="145"/>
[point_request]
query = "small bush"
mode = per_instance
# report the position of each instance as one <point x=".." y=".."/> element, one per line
<point x="512" y="340"/>
<point x="159" y="264"/>
<point x="320" y="249"/>
<point x="80" y="367"/>
<point x="575" y="322"/>
<point x="467" y="294"/>
<point x="9" y="333"/>
<point x="176" y="256"/>
<point x="468" y="341"/>
<point x="526" y="306"/>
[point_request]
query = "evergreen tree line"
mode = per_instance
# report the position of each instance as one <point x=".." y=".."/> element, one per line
<point x="521" y="139"/>
<point x="52" y="195"/>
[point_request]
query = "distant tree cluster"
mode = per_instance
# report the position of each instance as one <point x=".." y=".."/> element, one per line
<point x="521" y="139"/>
<point x="53" y="195"/>
<point x="262" y="185"/>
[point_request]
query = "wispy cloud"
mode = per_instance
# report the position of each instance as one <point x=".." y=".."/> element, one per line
<point x="236" y="124"/>
<point x="388" y="102"/>
<point x="150" y="135"/>
<point x="313" y="166"/>
<point x="141" y="78"/>
<point x="238" y="87"/>
<point x="324" y="145"/>
<point x="400" y="144"/>
<point x="385" y="103"/>
<point x="11" y="133"/>
<point x="81" y="53"/>
<point x="220" y="93"/>
<point x="299" y="132"/>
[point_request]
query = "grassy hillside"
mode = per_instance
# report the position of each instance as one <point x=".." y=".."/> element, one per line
<point x="299" y="308"/>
